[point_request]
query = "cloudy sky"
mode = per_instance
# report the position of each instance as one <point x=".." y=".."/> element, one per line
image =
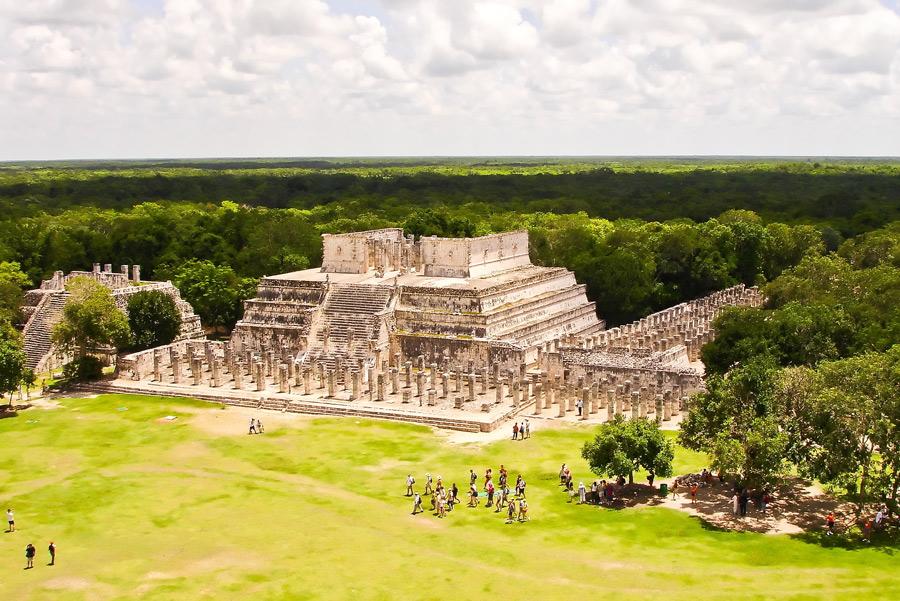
<point x="203" y="78"/>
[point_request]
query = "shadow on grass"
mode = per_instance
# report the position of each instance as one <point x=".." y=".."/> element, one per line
<point x="887" y="541"/>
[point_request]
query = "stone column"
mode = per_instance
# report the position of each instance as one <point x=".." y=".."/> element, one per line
<point x="445" y="385"/>
<point x="548" y="392"/>
<point x="498" y="392"/>
<point x="379" y="390"/>
<point x="538" y="398"/>
<point x="585" y="402"/>
<point x="595" y="392"/>
<point x="610" y="404"/>
<point x="635" y="404"/>
<point x="470" y="385"/>
<point x="216" y="373"/>
<point x="329" y="375"/>
<point x="431" y="397"/>
<point x="515" y="392"/>
<point x="562" y="408"/>
<point x="355" y="385"/>
<point x="238" y="374"/>
<point x="176" y="368"/>
<point x="457" y="381"/>
<point x="484" y="381"/>
<point x="407" y="393"/>
<point x="495" y="380"/>
<point x="407" y="374"/>
<point x="420" y="383"/>
<point x="307" y="381"/>
<point x="196" y="369"/>
<point x="395" y="380"/>
<point x="259" y="376"/>
<point x="157" y="369"/>
<point x="283" y="378"/>
<point x="666" y="407"/>
<point x="373" y="382"/>
<point x="320" y="372"/>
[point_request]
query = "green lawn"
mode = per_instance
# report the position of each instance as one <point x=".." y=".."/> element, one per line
<point x="196" y="509"/>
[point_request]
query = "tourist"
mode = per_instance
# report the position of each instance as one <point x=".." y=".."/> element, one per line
<point x="579" y="404"/>
<point x="693" y="493"/>
<point x="674" y="489"/>
<point x="867" y="529"/>
<point x="650" y="478"/>
<point x="417" y="504"/>
<point x="829" y="523"/>
<point x="511" y="512"/>
<point x="490" y="494"/>
<point x="879" y="518"/>
<point x="52" y="550"/>
<point x="252" y="426"/>
<point x="259" y="427"/>
<point x="745" y="500"/>
<point x="515" y="430"/>
<point x="522" y="487"/>
<point x="562" y="474"/>
<point x="527" y="429"/>
<point x="735" y="503"/>
<point x="428" y="487"/>
<point x="473" y="495"/>
<point x="522" y="431"/>
<point x="409" y="485"/>
<point x="523" y="510"/>
<point x="30" y="552"/>
<point x="473" y="477"/>
<point x="503" y="476"/>
<point x="11" y="520"/>
<point x="441" y="507"/>
<point x="454" y="497"/>
<point x="582" y="493"/>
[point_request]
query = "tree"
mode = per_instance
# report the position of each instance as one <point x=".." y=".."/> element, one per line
<point x="12" y="281"/>
<point x="844" y="419"/>
<point x="736" y="422"/>
<point x="623" y="446"/>
<point x="90" y="319"/>
<point x="154" y="319"/>
<point x="12" y="360"/>
<point x="215" y="292"/>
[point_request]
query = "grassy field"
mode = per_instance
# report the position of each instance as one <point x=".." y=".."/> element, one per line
<point x="314" y="509"/>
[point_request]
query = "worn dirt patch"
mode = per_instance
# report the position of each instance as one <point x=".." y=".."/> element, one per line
<point x="235" y="420"/>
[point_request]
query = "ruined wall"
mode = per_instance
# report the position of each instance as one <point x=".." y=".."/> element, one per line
<point x="474" y="257"/>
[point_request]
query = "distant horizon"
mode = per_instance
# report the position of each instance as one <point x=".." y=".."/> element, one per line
<point x="403" y="157"/>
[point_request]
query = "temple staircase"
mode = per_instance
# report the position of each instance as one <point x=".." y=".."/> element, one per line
<point x="350" y="323"/>
<point x="37" y="332"/>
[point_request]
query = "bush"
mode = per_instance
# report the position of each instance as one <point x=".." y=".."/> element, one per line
<point x="83" y="369"/>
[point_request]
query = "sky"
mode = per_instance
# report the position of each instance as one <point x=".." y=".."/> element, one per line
<point x="252" y="78"/>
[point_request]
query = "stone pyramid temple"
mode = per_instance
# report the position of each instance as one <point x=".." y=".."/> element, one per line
<point x="379" y="293"/>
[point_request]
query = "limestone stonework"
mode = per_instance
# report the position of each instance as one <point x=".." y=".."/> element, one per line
<point x="390" y="326"/>
<point x="43" y="308"/>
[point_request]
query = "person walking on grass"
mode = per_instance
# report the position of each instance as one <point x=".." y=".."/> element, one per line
<point x="417" y="504"/>
<point x="30" y="552"/>
<point x="259" y="427"/>
<point x="11" y="520"/>
<point x="490" y="494"/>
<point x="252" y="426"/>
<point x="428" y="487"/>
<point x="582" y="493"/>
<point x="52" y="550"/>
<point x="409" y="485"/>
<point x="511" y="512"/>
<point x="473" y="496"/>
<point x="523" y="510"/>
<point x="527" y="429"/>
<point x="515" y="431"/>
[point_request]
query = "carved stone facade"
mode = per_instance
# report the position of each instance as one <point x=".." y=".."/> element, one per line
<point x="44" y="306"/>
<point x="456" y="333"/>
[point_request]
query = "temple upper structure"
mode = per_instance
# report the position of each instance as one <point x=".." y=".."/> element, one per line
<point x="381" y="292"/>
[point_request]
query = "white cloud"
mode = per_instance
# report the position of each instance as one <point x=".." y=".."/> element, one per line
<point x="295" y="77"/>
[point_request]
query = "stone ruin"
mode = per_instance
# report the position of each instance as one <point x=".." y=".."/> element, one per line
<point x="456" y="333"/>
<point x="43" y="309"/>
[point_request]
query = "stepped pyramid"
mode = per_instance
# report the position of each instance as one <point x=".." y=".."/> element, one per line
<point x="381" y="292"/>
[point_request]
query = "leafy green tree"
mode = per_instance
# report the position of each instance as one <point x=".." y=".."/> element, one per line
<point x="844" y="418"/>
<point x="736" y="422"/>
<point x="215" y="292"/>
<point x="12" y="360"/>
<point x="12" y="282"/>
<point x="90" y="319"/>
<point x="623" y="446"/>
<point x="153" y="318"/>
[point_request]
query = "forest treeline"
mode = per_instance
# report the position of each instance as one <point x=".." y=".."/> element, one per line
<point x="851" y="198"/>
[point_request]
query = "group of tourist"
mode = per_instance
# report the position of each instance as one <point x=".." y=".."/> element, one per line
<point x="497" y="495"/>
<point x="521" y="431"/>
<point x="30" y="550"/>
<point x="256" y="426"/>
<point x="602" y="492"/>
<point x="867" y="525"/>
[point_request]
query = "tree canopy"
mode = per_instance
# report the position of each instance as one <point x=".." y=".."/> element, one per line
<point x="90" y="319"/>
<point x="154" y="319"/>
<point x="622" y="446"/>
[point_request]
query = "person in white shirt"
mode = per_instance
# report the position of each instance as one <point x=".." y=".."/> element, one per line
<point x="409" y="485"/>
<point x="582" y="493"/>
<point x="11" y="520"/>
